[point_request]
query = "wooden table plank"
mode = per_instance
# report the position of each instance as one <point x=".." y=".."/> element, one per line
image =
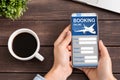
<point x="30" y="76"/>
<point x="48" y="31"/>
<point x="10" y="64"/>
<point x="61" y="10"/>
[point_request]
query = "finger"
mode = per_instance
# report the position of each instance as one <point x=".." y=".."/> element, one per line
<point x="86" y="70"/>
<point x="70" y="63"/>
<point x="103" y="50"/>
<point x="80" y="69"/>
<point x="67" y="39"/>
<point x="69" y="47"/>
<point x="62" y="35"/>
<point x="70" y="53"/>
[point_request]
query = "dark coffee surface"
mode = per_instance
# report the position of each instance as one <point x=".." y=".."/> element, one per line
<point x="24" y="45"/>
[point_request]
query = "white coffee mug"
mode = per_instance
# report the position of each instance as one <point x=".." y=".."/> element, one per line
<point x="35" y="54"/>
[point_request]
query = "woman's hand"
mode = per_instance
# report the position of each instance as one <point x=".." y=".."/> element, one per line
<point x="62" y="52"/>
<point x="104" y="69"/>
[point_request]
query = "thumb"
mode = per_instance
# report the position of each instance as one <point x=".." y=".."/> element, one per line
<point x="103" y="50"/>
<point x="67" y="39"/>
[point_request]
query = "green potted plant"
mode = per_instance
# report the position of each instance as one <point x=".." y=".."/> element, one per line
<point x="12" y="9"/>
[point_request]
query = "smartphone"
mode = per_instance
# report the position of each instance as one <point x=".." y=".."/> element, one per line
<point x="85" y="36"/>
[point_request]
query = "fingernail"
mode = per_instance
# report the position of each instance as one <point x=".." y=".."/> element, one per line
<point x="68" y="33"/>
<point x="100" y="40"/>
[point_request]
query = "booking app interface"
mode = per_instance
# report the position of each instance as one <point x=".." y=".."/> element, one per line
<point x="84" y="39"/>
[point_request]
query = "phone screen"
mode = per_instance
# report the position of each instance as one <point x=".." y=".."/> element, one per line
<point x="84" y="39"/>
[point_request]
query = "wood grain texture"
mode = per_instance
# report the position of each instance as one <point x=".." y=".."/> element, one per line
<point x="10" y="64"/>
<point x="48" y="31"/>
<point x="30" y="76"/>
<point x="61" y="10"/>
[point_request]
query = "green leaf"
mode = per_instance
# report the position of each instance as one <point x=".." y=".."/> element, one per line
<point x="12" y="9"/>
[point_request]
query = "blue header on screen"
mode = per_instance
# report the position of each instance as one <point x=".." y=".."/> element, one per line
<point x="84" y="25"/>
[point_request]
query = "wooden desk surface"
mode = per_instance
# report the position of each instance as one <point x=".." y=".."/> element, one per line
<point x="48" y="18"/>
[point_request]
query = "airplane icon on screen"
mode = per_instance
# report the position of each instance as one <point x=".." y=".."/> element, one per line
<point x="87" y="29"/>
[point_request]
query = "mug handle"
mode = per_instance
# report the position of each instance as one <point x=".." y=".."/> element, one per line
<point x="39" y="57"/>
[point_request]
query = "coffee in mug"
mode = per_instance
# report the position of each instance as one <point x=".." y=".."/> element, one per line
<point x="24" y="44"/>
